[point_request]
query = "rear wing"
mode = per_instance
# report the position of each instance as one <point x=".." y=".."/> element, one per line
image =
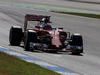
<point x="32" y="17"/>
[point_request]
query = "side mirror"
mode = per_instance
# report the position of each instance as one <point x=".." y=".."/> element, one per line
<point x="60" y="28"/>
<point x="37" y="26"/>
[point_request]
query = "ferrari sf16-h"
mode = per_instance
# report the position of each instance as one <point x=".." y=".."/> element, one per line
<point x="45" y="37"/>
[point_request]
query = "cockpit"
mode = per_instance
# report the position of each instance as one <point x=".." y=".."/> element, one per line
<point x="44" y="27"/>
<point x="47" y="27"/>
<point x="43" y="24"/>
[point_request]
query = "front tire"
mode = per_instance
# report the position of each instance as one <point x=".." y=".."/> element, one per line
<point x="15" y="35"/>
<point x="31" y="36"/>
<point x="77" y="41"/>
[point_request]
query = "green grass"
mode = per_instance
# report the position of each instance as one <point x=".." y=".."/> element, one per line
<point x="10" y="65"/>
<point x="80" y="14"/>
<point x="90" y="2"/>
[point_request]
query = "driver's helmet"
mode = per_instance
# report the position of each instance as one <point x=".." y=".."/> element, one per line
<point x="43" y="20"/>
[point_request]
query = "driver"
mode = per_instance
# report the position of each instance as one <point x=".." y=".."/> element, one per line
<point x="47" y="27"/>
<point x="44" y="24"/>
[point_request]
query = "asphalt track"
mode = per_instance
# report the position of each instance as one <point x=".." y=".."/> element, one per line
<point x="86" y="64"/>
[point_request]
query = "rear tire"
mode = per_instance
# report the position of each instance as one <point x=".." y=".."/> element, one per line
<point x="31" y="36"/>
<point x="15" y="35"/>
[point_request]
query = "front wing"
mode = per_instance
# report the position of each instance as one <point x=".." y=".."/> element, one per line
<point x="42" y="46"/>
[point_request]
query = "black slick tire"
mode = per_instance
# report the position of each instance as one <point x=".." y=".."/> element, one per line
<point x="15" y="35"/>
<point x="77" y="40"/>
<point x="31" y="36"/>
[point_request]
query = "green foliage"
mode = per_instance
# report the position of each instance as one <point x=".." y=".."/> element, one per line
<point x="81" y="14"/>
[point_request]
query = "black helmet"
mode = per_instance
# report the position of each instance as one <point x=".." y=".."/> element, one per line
<point x="46" y="20"/>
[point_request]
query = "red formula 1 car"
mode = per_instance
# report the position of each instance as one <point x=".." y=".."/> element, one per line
<point x="45" y="37"/>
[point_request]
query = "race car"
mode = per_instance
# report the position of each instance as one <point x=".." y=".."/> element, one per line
<point x="45" y="37"/>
